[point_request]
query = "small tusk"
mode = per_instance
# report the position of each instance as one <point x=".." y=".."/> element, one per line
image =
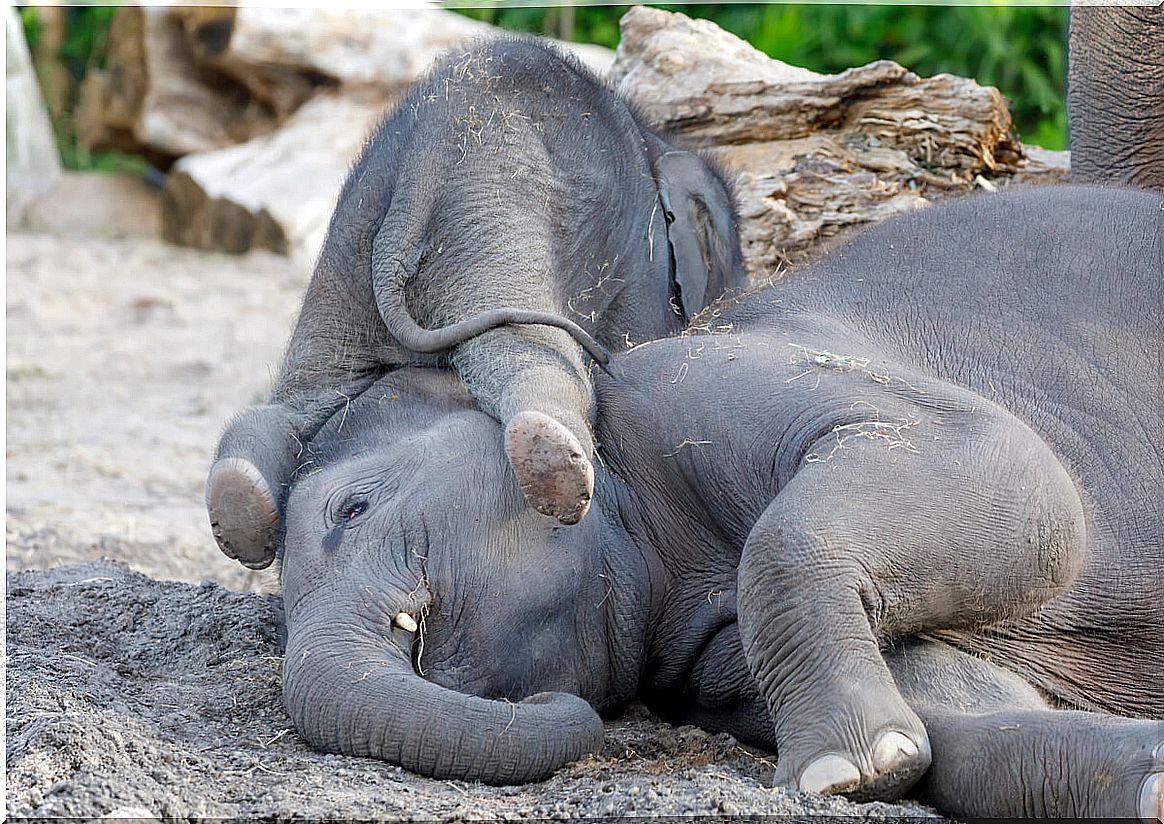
<point x="405" y="621"/>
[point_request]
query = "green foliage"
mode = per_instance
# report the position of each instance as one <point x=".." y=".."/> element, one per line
<point x="1018" y="49"/>
<point x="83" y="48"/>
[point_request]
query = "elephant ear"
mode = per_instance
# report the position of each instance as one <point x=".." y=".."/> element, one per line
<point x="701" y="229"/>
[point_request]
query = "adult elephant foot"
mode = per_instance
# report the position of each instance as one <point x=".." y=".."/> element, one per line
<point x="856" y="737"/>
<point x="244" y="516"/>
<point x="551" y="464"/>
<point x="893" y="766"/>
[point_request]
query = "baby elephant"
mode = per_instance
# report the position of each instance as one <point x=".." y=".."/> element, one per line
<point x="508" y="209"/>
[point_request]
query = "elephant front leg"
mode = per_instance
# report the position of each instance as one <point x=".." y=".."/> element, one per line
<point x="869" y="542"/>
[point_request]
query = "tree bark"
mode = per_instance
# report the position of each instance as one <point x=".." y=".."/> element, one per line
<point x="813" y="155"/>
<point x="156" y="101"/>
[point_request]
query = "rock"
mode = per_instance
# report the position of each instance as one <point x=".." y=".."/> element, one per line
<point x="275" y="192"/>
<point x="32" y="164"/>
<point x="96" y="204"/>
<point x="813" y="155"/>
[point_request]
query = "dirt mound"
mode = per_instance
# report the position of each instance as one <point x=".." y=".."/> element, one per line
<point x="129" y="696"/>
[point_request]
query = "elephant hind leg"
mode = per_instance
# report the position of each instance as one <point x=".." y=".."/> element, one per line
<point x="244" y="515"/>
<point x="552" y="466"/>
<point x="1000" y="752"/>
<point x="257" y="455"/>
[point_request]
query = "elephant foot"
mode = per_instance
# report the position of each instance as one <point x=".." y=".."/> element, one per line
<point x="552" y="467"/>
<point x="243" y="514"/>
<point x="884" y="772"/>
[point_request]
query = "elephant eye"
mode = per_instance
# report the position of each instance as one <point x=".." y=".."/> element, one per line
<point x="350" y="509"/>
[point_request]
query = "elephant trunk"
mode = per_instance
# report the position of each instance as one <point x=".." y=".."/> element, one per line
<point x="360" y="696"/>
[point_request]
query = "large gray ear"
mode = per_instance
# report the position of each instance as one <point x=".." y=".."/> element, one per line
<point x="701" y="229"/>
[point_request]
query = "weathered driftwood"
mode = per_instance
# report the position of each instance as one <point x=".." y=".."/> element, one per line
<point x="274" y="192"/>
<point x="813" y="154"/>
<point x="30" y="151"/>
<point x="155" y="100"/>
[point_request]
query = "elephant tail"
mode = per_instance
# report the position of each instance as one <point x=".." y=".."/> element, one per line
<point x="396" y="258"/>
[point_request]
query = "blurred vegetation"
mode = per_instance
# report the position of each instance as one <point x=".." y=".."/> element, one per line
<point x="79" y="46"/>
<point x="1019" y="49"/>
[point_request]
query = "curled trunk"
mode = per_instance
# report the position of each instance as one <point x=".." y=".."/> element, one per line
<point x="360" y="696"/>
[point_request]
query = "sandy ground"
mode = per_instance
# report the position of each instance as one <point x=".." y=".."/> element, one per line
<point x="125" y="358"/>
<point x="133" y="688"/>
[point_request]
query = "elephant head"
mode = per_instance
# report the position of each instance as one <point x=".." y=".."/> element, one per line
<point x="433" y="619"/>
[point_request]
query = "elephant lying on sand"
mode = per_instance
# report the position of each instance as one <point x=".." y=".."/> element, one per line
<point x="887" y="518"/>
<point x="508" y="186"/>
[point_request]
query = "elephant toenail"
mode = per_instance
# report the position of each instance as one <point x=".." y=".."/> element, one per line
<point x="829" y="774"/>
<point x="892" y="750"/>
<point x="1152" y="798"/>
<point x="1158" y="755"/>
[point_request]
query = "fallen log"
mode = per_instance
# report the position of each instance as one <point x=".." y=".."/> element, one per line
<point x="812" y="154"/>
<point x="276" y="191"/>
<point x="155" y="100"/>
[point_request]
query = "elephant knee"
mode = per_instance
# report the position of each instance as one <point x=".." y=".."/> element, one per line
<point x="1054" y="536"/>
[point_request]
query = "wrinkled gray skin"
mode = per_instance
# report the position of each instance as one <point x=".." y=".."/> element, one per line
<point x="1115" y="95"/>
<point x="509" y="185"/>
<point x="895" y="518"/>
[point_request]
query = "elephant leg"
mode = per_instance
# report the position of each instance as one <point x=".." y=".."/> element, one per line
<point x="335" y="352"/>
<point x="999" y="751"/>
<point x="534" y="382"/>
<point x="870" y="543"/>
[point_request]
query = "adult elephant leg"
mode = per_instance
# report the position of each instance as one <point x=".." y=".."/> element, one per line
<point x="533" y="380"/>
<point x="866" y="543"/>
<point x="335" y="350"/>
<point x="1115" y="95"/>
<point x="1000" y="752"/>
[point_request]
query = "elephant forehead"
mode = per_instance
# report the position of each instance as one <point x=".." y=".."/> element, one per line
<point x="400" y="404"/>
<point x="464" y="444"/>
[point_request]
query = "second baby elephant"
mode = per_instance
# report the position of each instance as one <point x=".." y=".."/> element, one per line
<point x="895" y="518"/>
<point x="509" y="208"/>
